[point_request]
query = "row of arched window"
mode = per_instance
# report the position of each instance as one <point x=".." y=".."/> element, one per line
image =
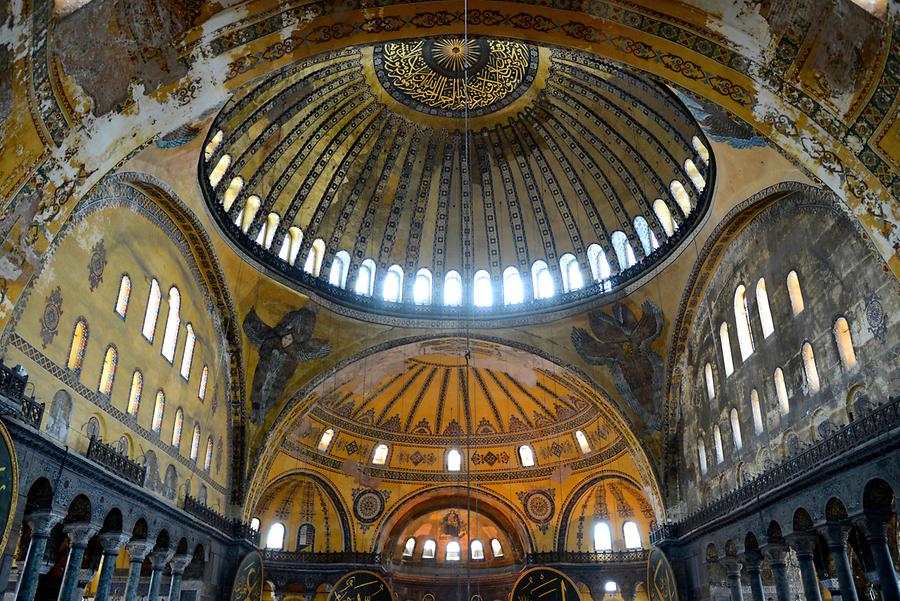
<point x="543" y="285"/>
<point x="454" y="456"/>
<point x="275" y="536"/>
<point x="603" y="536"/>
<point x="452" y="550"/>
<point x="843" y="341"/>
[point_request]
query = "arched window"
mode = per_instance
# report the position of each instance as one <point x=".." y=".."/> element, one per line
<point x="379" y="457"/>
<point x="717" y="439"/>
<point x="170" y="337"/>
<point x="793" y="285"/>
<point x="844" y="343"/>
<point x="422" y="287"/>
<point x="477" y="549"/>
<point x="700" y="149"/>
<point x="694" y="174"/>
<point x="428" y="549"/>
<point x="571" y="273"/>
<point x="483" y="292"/>
<point x="765" y="314"/>
<point x="254" y="524"/>
<point x="152" y="312"/>
<point x="313" y="263"/>
<point x="526" y="455"/>
<point x="599" y="265"/>
<point x="742" y="319"/>
<point x="248" y="214"/>
<point x="213" y="145"/>
<point x="701" y="455"/>
<point x="582" y="441"/>
<point x="409" y="547"/>
<point x="541" y="280"/>
<point x="454" y="460"/>
<point x="275" y="537"/>
<point x="177" y="427"/>
<point x="757" y="412"/>
<point x="134" y="395"/>
<point x="624" y="252"/>
<point x="290" y="245"/>
<point x="339" y="265"/>
<point x="496" y="548"/>
<point x="204" y="379"/>
<point x="726" y="349"/>
<point x="809" y="367"/>
<point x="681" y="197"/>
<point x="610" y="586"/>
<point x="231" y="193"/>
<point x="602" y="537"/>
<point x="452" y="552"/>
<point x="124" y="295"/>
<point x="306" y="537"/>
<point x="781" y="392"/>
<point x="365" y="278"/>
<point x="513" y="293"/>
<point x="736" y="430"/>
<point x="632" y="535"/>
<point x="452" y="289"/>
<point x="108" y="373"/>
<point x="219" y="170"/>
<point x="207" y="460"/>
<point x="79" y="345"/>
<point x="664" y="215"/>
<point x="325" y="440"/>
<point x="649" y="243"/>
<point x="159" y="408"/>
<point x="195" y="443"/>
<point x="188" y="354"/>
<point x="392" y="287"/>
<point x="710" y="383"/>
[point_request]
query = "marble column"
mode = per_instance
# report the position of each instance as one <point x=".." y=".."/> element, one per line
<point x="804" y="544"/>
<point x="775" y="553"/>
<point x="137" y="552"/>
<point x="733" y="570"/>
<point x="178" y="565"/>
<point x="111" y="543"/>
<point x="158" y="560"/>
<point x="874" y="528"/>
<point x="752" y="567"/>
<point x="79" y="534"/>
<point x="836" y="537"/>
<point x="41" y="523"/>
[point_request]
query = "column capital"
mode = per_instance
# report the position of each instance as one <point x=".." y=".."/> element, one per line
<point x="160" y="557"/>
<point x="835" y="534"/>
<point x="803" y="543"/>
<point x="80" y="532"/>
<point x="873" y="524"/>
<point x="752" y="560"/>
<point x="43" y="521"/>
<point x="775" y="552"/>
<point x="138" y="549"/>
<point x="180" y="562"/>
<point x="112" y="541"/>
<point x="732" y="566"/>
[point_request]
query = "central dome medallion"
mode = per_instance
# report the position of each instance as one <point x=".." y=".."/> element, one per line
<point x="442" y="76"/>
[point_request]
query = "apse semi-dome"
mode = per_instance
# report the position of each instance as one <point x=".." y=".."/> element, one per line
<point x="450" y="177"/>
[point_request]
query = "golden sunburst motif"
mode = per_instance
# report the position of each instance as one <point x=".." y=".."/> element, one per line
<point x="455" y="54"/>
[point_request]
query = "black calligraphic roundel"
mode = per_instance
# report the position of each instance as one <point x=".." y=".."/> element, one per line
<point x="361" y="586"/>
<point x="544" y="584"/>
<point x="660" y="578"/>
<point x="9" y="484"/>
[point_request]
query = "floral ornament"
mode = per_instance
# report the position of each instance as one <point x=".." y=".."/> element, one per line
<point x="97" y="265"/>
<point x="50" y="317"/>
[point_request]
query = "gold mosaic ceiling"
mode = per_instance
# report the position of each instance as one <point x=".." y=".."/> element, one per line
<point x="365" y="149"/>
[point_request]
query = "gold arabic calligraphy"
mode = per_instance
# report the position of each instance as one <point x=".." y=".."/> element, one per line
<point x="409" y="70"/>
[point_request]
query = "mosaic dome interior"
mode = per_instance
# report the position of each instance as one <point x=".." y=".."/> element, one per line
<point x="380" y="173"/>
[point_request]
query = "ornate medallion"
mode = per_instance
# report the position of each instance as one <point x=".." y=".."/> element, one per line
<point x="368" y="506"/>
<point x="544" y="584"/>
<point x="248" y="581"/>
<point x="875" y="317"/>
<point x="660" y="579"/>
<point x="361" y="585"/>
<point x="539" y="506"/>
<point x="442" y="76"/>
<point x="50" y="317"/>
<point x="97" y="265"/>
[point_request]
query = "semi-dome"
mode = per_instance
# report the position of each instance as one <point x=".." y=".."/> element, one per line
<point x="430" y="176"/>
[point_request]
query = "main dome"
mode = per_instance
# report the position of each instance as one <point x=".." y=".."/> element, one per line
<point x="447" y="177"/>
